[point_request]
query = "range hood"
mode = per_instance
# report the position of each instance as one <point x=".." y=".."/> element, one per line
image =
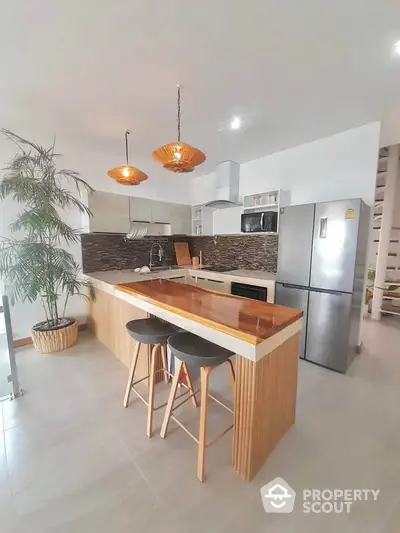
<point x="227" y="191"/>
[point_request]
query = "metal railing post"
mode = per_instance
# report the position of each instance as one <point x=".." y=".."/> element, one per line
<point x="16" y="391"/>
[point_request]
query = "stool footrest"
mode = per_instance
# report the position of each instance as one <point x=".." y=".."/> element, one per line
<point x="219" y="436"/>
<point x="156" y="372"/>
<point x="220" y="403"/>
<point x="146" y="402"/>
<point x="186" y="429"/>
<point x="185" y="400"/>
<point x="141" y="397"/>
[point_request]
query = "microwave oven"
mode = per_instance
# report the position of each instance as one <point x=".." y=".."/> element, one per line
<point x="267" y="221"/>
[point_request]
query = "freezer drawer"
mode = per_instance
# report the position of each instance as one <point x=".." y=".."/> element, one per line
<point x="298" y="299"/>
<point x="335" y="245"/>
<point x="328" y="329"/>
<point x="295" y="243"/>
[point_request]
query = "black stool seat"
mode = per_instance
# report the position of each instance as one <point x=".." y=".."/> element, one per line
<point x="196" y="351"/>
<point x="150" y="330"/>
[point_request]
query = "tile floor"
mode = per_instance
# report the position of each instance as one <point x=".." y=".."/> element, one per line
<point x="73" y="460"/>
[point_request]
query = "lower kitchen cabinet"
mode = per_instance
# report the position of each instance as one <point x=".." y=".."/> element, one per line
<point x="213" y="285"/>
<point x="179" y="279"/>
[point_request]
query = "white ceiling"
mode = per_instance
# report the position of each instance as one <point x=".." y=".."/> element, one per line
<point x="85" y="70"/>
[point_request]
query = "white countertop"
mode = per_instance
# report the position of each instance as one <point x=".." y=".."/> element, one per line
<point x="249" y="277"/>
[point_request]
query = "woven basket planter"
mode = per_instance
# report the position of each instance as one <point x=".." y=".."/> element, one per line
<point x="55" y="340"/>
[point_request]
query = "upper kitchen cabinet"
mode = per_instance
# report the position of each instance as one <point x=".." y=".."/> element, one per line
<point x="161" y="211"/>
<point x="110" y="212"/>
<point x="181" y="219"/>
<point x="140" y="209"/>
<point x="177" y="215"/>
<point x="113" y="213"/>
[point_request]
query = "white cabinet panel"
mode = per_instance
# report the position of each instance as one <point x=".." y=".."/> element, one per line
<point x="213" y="285"/>
<point x="181" y="219"/>
<point x="227" y="220"/>
<point x="110" y="212"/>
<point x="208" y="221"/>
<point x="178" y="215"/>
<point x="140" y="209"/>
<point x="161" y="211"/>
<point x="179" y="279"/>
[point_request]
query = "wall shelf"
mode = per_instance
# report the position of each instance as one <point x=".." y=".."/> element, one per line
<point x="202" y="220"/>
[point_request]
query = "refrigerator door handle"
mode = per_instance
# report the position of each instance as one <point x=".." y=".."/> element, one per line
<point x="323" y="226"/>
<point x="291" y="286"/>
<point x="328" y="291"/>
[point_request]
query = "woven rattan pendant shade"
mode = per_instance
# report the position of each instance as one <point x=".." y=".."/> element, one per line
<point x="126" y="174"/>
<point x="179" y="156"/>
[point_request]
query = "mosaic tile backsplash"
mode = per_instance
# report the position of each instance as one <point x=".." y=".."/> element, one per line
<point x="249" y="252"/>
<point x="110" y="251"/>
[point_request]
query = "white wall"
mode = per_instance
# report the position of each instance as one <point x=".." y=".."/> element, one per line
<point x="341" y="166"/>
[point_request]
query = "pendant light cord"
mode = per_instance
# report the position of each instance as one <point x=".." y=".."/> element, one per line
<point x="179" y="113"/>
<point x="127" y="132"/>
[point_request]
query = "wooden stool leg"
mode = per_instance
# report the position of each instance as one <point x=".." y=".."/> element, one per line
<point x="204" y="375"/>
<point x="231" y="373"/>
<point x="152" y="376"/>
<point x="131" y="374"/>
<point x="164" y="361"/>
<point x="171" y="397"/>
<point x="189" y="384"/>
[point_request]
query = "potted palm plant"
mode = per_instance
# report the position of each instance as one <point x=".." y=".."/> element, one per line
<point x="34" y="261"/>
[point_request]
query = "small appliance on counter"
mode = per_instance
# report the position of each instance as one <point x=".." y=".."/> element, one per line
<point x="266" y="221"/>
<point x="321" y="270"/>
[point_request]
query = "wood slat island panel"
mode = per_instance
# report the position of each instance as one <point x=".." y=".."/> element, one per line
<point x="265" y="405"/>
<point x="249" y="320"/>
<point x="107" y="317"/>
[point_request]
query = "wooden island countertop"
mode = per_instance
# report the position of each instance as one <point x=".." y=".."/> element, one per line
<point x="265" y="338"/>
<point x="249" y="320"/>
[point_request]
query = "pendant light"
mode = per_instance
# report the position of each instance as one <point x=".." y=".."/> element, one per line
<point x="179" y="156"/>
<point x="125" y="174"/>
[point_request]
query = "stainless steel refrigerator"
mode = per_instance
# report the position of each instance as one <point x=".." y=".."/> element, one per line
<point x="322" y="255"/>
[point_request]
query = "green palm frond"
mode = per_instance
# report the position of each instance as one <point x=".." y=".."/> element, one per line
<point x="36" y="266"/>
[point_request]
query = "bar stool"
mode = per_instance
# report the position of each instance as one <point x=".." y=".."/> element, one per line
<point x="194" y="351"/>
<point x="152" y="332"/>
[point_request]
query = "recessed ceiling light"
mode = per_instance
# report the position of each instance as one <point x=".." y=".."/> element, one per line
<point x="236" y="123"/>
<point x="396" y="48"/>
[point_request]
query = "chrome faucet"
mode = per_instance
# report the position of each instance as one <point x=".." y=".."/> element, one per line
<point x="160" y="253"/>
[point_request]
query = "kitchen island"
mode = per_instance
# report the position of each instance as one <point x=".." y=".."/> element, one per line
<point x="264" y="336"/>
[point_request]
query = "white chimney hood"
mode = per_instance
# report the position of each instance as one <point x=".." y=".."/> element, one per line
<point x="227" y="193"/>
